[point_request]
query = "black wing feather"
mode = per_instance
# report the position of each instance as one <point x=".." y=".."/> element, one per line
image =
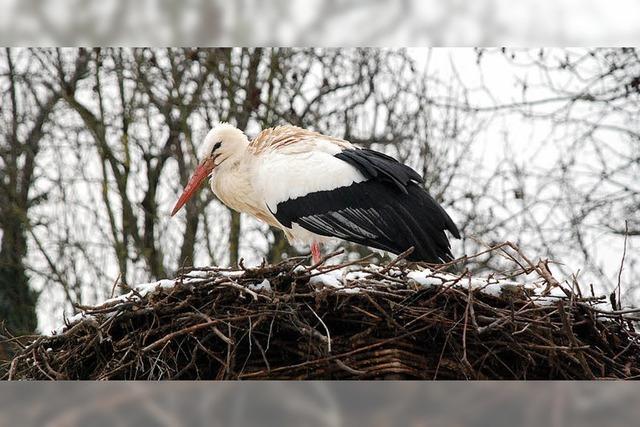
<point x="374" y="213"/>
<point x="376" y="165"/>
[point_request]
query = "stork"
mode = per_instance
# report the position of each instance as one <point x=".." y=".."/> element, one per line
<point x="315" y="187"/>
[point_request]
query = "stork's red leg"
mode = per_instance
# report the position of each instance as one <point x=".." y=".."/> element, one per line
<point x="315" y="252"/>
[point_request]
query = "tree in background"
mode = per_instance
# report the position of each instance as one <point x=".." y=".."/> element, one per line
<point x="122" y="138"/>
<point x="28" y="97"/>
<point x="97" y="144"/>
<point x="575" y="197"/>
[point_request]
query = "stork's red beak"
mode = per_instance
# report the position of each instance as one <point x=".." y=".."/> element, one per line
<point x="201" y="173"/>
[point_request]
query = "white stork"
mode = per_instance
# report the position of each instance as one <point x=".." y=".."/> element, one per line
<point x="315" y="187"/>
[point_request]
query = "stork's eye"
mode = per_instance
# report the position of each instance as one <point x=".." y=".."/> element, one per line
<point x="216" y="146"/>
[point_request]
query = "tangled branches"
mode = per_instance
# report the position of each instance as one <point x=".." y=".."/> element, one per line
<point x="350" y="321"/>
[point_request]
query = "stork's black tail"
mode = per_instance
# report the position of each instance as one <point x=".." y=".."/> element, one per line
<point x="390" y="211"/>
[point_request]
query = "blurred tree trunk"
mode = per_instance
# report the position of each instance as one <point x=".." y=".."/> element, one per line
<point x="234" y="238"/>
<point x="17" y="299"/>
<point x="279" y="247"/>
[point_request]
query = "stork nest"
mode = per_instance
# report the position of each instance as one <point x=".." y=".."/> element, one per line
<point x="288" y="321"/>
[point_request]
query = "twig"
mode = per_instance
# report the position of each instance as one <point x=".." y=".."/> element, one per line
<point x="325" y="328"/>
<point x="624" y="254"/>
<point x="396" y="260"/>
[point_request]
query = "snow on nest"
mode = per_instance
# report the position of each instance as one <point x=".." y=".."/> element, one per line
<point x="339" y="279"/>
<point x="489" y="286"/>
<point x="342" y="278"/>
<point x="331" y="279"/>
<point x="138" y="292"/>
<point x="265" y="285"/>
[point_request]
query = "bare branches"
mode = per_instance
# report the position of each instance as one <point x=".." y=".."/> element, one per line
<point x="549" y="163"/>
<point x="22" y="140"/>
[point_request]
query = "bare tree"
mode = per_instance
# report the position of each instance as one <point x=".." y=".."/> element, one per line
<point x="574" y="197"/>
<point x="120" y="130"/>
<point x="29" y="99"/>
<point x="126" y="115"/>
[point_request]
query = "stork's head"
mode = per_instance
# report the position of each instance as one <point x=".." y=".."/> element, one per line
<point x="223" y="144"/>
